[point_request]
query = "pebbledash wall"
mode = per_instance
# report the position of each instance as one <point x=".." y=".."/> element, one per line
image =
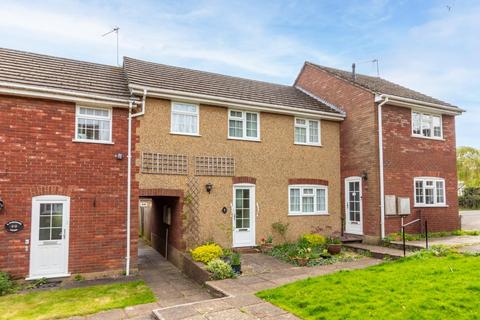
<point x="270" y="164"/>
<point x="38" y="157"/>
<point x="405" y="157"/>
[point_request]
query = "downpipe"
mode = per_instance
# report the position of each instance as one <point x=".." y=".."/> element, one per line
<point x="380" y="161"/>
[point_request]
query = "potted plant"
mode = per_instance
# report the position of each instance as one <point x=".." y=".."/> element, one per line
<point x="334" y="245"/>
<point x="236" y="263"/>
<point x="266" y="245"/>
<point x="303" y="256"/>
<point x="227" y="256"/>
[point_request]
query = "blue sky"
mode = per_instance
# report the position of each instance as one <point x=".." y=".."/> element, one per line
<point x="429" y="46"/>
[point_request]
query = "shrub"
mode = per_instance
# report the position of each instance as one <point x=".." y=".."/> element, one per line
<point x="314" y="240"/>
<point x="236" y="259"/>
<point x="6" y="284"/>
<point x="219" y="269"/>
<point x="281" y="228"/>
<point x="207" y="253"/>
<point x="470" y="198"/>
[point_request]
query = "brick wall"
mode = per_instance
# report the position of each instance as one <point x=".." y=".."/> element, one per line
<point x="38" y="157"/>
<point x="358" y="137"/>
<point x="407" y="157"/>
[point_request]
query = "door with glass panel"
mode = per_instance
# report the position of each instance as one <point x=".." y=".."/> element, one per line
<point x="49" y="237"/>
<point x="243" y="215"/>
<point x="353" y="205"/>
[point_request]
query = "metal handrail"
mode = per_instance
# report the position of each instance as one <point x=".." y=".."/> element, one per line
<point x="403" y="234"/>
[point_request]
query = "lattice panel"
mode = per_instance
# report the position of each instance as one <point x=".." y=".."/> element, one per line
<point x="192" y="213"/>
<point x="164" y="163"/>
<point x="215" y="166"/>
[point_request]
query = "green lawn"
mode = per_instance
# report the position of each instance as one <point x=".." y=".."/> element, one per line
<point x="57" y="304"/>
<point x="412" y="288"/>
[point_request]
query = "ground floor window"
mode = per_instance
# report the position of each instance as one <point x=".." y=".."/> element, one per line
<point x="429" y="192"/>
<point x="308" y="199"/>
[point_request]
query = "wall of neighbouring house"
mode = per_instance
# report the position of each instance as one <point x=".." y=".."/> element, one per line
<point x="407" y="157"/>
<point x="38" y="157"/>
<point x="358" y="137"/>
<point x="271" y="163"/>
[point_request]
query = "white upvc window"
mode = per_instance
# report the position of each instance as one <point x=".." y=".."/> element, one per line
<point x="307" y="200"/>
<point x="429" y="192"/>
<point x="427" y="125"/>
<point x="185" y="118"/>
<point x="243" y="125"/>
<point x="93" y="124"/>
<point x="307" y="131"/>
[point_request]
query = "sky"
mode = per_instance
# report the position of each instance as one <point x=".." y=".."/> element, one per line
<point x="429" y="46"/>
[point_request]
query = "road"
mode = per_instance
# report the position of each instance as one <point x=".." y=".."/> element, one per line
<point x="470" y="220"/>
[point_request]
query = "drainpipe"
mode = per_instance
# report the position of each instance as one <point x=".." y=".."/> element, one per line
<point x="129" y="174"/>
<point x="380" y="160"/>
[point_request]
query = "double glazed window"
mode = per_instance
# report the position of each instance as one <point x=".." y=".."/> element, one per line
<point x="243" y="125"/>
<point x="51" y="221"/>
<point x="185" y="118"/>
<point x="429" y="192"/>
<point x="426" y="125"/>
<point x="307" y="131"/>
<point x="94" y="124"/>
<point x="309" y="199"/>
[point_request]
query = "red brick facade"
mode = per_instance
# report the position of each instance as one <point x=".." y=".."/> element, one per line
<point x="405" y="157"/>
<point x="38" y="157"/>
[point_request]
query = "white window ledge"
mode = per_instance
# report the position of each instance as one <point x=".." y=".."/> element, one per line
<point x="307" y="214"/>
<point x="431" y="206"/>
<point x="92" y="141"/>
<point x="186" y="134"/>
<point x="428" y="138"/>
<point x="308" y="144"/>
<point x="244" y="139"/>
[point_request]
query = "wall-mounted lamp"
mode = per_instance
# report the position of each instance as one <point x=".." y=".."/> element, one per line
<point x="209" y="187"/>
<point x="119" y="156"/>
<point x="2" y="204"/>
<point x="365" y="175"/>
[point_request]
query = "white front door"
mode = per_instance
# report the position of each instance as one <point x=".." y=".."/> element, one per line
<point x="49" y="238"/>
<point x="353" y="205"/>
<point x="243" y="215"/>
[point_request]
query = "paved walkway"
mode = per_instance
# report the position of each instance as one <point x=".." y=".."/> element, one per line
<point x="241" y="303"/>
<point x="470" y="220"/>
<point x="171" y="287"/>
<point x="447" y="241"/>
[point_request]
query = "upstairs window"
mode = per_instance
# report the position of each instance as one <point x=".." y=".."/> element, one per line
<point x="308" y="199"/>
<point x="93" y="124"/>
<point x="427" y="125"/>
<point x="243" y="125"/>
<point x="429" y="192"/>
<point x="307" y="131"/>
<point x="185" y="118"/>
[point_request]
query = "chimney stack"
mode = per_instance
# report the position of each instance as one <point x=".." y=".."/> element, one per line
<point x="354" y="76"/>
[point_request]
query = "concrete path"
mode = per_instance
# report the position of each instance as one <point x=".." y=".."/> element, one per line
<point x="470" y="220"/>
<point x="447" y="241"/>
<point x="378" y="252"/>
<point x="241" y="303"/>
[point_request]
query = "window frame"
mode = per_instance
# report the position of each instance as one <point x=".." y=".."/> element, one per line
<point x="307" y="127"/>
<point x="83" y="116"/>
<point x="424" y="180"/>
<point x="421" y="135"/>
<point x="197" y="114"/>
<point x="244" y="125"/>
<point x="315" y="187"/>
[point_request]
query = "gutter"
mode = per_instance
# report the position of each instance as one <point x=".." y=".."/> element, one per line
<point x="59" y="94"/>
<point x="213" y="100"/>
<point x="407" y="102"/>
<point x="131" y="106"/>
<point x="380" y="162"/>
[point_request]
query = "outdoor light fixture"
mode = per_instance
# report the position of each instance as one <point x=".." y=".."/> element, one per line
<point x="365" y="175"/>
<point x="2" y="204"/>
<point x="209" y="187"/>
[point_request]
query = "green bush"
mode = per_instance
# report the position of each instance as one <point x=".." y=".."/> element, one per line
<point x="314" y="240"/>
<point x="219" y="269"/>
<point x="6" y="284"/>
<point x="470" y="198"/>
<point x="207" y="253"/>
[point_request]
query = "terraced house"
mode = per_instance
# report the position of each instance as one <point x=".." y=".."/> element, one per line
<point x="93" y="156"/>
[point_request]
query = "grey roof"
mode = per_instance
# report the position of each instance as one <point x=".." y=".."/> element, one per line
<point x="379" y="85"/>
<point x="161" y="76"/>
<point x="40" y="70"/>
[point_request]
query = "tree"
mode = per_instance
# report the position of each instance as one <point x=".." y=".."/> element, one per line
<point x="468" y="166"/>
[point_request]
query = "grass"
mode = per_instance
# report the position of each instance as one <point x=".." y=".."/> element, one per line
<point x="420" y="287"/>
<point x="62" y="303"/>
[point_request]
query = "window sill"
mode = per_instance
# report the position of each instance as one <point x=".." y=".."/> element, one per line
<point x="427" y="138"/>
<point x="307" y="214"/>
<point x="92" y="141"/>
<point x="244" y="139"/>
<point x="308" y="144"/>
<point x="185" y="134"/>
<point x="431" y="206"/>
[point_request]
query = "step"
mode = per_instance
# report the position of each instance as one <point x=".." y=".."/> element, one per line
<point x="348" y="238"/>
<point x="247" y="250"/>
<point x="399" y="245"/>
<point x="377" y="252"/>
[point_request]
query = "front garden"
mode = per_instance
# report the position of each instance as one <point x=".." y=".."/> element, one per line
<point x="435" y="284"/>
